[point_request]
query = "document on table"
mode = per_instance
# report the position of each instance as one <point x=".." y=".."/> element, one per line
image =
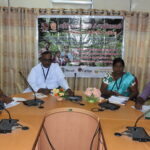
<point x="11" y="104"/>
<point x="40" y="95"/>
<point x="121" y="100"/>
<point x="18" y="99"/>
<point x="21" y="99"/>
<point x="144" y="108"/>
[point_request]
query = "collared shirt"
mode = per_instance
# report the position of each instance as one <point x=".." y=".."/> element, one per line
<point x="146" y="91"/>
<point x="54" y="79"/>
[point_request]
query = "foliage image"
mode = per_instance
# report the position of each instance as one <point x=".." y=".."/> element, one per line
<point x="78" y="40"/>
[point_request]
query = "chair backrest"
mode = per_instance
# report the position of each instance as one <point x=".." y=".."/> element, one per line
<point x="70" y="129"/>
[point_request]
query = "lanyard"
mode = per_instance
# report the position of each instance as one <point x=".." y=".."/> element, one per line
<point x="45" y="75"/>
<point x="118" y="87"/>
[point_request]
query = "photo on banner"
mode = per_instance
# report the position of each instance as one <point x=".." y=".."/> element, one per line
<point x="85" y="45"/>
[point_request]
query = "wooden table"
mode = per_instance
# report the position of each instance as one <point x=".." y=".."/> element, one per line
<point x="111" y="121"/>
<point x="124" y="113"/>
<point x="109" y="127"/>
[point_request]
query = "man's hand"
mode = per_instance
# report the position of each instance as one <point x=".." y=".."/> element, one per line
<point x="70" y="92"/>
<point x="44" y="91"/>
<point x="6" y="99"/>
<point x="138" y="105"/>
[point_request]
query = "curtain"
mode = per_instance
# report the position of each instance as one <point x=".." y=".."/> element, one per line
<point x="18" y="45"/>
<point x="137" y="46"/>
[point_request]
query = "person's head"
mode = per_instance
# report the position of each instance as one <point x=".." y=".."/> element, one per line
<point x="66" y="48"/>
<point x="48" y="44"/>
<point x="57" y="54"/>
<point x="118" y="65"/>
<point x="44" y="26"/>
<point x="53" y="26"/>
<point x="46" y="59"/>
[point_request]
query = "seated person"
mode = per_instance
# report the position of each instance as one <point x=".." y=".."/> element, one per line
<point x="58" y="59"/>
<point x="4" y="98"/>
<point x="141" y="99"/>
<point x="119" y="83"/>
<point x="47" y="75"/>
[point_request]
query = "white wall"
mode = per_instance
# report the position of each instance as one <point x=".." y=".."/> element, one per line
<point x="137" y="5"/>
<point x="112" y="4"/>
<point x="141" y="5"/>
<point x="27" y="3"/>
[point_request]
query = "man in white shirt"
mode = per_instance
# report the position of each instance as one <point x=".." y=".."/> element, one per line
<point x="47" y="75"/>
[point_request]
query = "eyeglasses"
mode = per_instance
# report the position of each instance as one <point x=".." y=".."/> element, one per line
<point x="47" y="60"/>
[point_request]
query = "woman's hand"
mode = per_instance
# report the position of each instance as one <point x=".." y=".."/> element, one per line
<point x="116" y="94"/>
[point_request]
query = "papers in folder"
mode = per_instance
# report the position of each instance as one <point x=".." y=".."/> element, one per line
<point x="121" y="100"/>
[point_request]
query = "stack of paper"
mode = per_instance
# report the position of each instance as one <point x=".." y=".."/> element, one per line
<point x="118" y="99"/>
<point x="11" y="104"/>
<point x="40" y="95"/>
<point x="18" y="99"/>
